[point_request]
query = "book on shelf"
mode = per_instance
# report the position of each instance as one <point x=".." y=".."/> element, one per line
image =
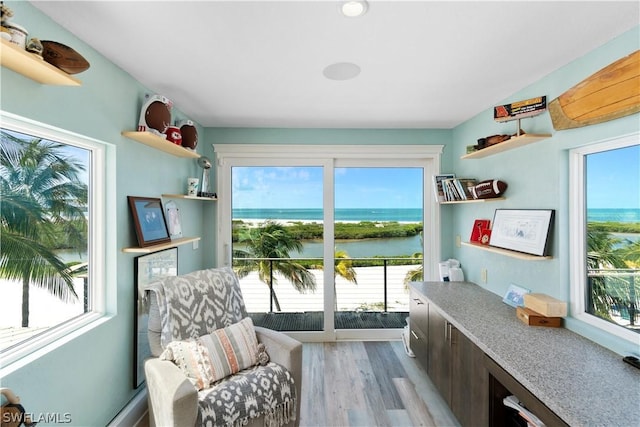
<point x="457" y="189"/>
<point x="438" y="188"/>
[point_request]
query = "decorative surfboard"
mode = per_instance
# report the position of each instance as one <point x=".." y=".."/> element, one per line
<point x="611" y="93"/>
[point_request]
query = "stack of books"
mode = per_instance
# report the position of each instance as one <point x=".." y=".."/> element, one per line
<point x="448" y="188"/>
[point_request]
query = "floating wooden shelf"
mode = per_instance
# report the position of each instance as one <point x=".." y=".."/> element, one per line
<point x="507" y="252"/>
<point x="184" y="196"/>
<point x="33" y="66"/>
<point x="518" y="141"/>
<point x="453" y="202"/>
<point x="155" y="248"/>
<point x="159" y="143"/>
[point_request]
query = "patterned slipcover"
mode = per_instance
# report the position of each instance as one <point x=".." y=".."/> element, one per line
<point x="198" y="303"/>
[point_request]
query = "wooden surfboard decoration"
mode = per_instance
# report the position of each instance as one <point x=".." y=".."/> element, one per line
<point x="609" y="94"/>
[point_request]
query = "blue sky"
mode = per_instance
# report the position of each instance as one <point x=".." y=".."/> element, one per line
<point x="301" y="187"/>
<point x="613" y="179"/>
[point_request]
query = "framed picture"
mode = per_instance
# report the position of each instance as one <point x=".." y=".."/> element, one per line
<point x="149" y="220"/>
<point x="147" y="269"/>
<point x="515" y="296"/>
<point x="522" y="230"/>
<point x="174" y="223"/>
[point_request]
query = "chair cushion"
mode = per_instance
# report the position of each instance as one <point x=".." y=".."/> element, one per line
<point x="262" y="390"/>
<point x="215" y="356"/>
<point x="195" y="304"/>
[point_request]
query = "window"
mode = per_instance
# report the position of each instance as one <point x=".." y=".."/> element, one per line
<point x="605" y="235"/>
<point x="52" y="234"/>
<point x="322" y="200"/>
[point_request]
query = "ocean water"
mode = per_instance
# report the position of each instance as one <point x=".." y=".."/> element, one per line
<point x="350" y="214"/>
<point x="613" y="215"/>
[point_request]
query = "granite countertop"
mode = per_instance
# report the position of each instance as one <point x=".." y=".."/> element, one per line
<point x="584" y="383"/>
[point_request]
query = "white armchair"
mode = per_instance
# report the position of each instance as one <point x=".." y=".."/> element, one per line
<point x="186" y="307"/>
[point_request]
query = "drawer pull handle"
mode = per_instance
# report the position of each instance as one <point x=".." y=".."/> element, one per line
<point x="418" y="301"/>
<point x="414" y="335"/>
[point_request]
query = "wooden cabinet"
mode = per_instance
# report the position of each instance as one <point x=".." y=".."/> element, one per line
<point x="469" y="381"/>
<point x="419" y="324"/>
<point x="501" y="385"/>
<point x="454" y="364"/>
<point x="439" y="364"/>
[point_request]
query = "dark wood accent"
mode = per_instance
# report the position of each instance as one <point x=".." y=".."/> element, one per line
<point x="439" y="363"/>
<point x="469" y="382"/>
<point x="501" y="385"/>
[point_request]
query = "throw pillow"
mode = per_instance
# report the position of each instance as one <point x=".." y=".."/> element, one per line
<point x="215" y="356"/>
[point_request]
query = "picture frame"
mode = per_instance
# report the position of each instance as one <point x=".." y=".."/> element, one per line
<point x="515" y="296"/>
<point x="523" y="230"/>
<point x="149" y="220"/>
<point x="147" y="269"/>
<point x="174" y="221"/>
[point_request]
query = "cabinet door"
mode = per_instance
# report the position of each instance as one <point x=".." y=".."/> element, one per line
<point x="439" y="353"/>
<point x="469" y="382"/>
<point x="418" y="325"/>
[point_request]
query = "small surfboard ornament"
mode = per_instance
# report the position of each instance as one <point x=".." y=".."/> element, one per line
<point x="609" y="94"/>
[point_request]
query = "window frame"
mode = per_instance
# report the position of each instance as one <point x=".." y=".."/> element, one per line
<point x="98" y="242"/>
<point x="578" y="237"/>
<point x="331" y="157"/>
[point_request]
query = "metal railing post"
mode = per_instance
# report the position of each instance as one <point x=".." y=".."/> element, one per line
<point x="385" y="285"/>
<point x="270" y="286"/>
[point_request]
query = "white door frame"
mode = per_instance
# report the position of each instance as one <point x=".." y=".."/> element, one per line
<point x="329" y="157"/>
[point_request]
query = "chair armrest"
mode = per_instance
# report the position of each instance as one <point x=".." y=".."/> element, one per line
<point x="287" y="352"/>
<point x="173" y="399"/>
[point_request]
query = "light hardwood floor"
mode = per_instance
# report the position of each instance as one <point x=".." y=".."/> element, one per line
<point x="355" y="383"/>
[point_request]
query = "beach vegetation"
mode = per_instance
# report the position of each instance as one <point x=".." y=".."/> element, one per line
<point x="266" y="249"/>
<point x="612" y="292"/>
<point x="343" y="230"/>
<point x="43" y="208"/>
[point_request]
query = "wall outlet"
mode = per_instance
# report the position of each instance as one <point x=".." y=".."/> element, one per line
<point x="196" y="243"/>
<point x="458" y="241"/>
<point x="483" y="275"/>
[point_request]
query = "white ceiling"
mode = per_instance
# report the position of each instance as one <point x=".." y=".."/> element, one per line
<point x="424" y="64"/>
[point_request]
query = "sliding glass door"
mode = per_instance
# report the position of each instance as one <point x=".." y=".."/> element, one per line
<point x="325" y="248"/>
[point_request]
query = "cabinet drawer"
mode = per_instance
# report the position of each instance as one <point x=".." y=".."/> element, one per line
<point x="419" y="346"/>
<point x="419" y="312"/>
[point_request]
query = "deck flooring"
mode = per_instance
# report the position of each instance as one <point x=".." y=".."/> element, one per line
<point x="313" y="321"/>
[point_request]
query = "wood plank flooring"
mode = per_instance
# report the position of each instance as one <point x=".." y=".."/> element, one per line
<point x="355" y="383"/>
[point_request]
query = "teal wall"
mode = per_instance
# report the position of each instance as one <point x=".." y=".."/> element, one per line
<point x="537" y="175"/>
<point x="90" y="377"/>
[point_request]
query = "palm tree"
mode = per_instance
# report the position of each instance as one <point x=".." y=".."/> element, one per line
<point x="43" y="204"/>
<point x="343" y="268"/>
<point x="267" y="250"/>
<point x="602" y="255"/>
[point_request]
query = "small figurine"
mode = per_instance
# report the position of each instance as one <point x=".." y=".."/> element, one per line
<point x="34" y="46"/>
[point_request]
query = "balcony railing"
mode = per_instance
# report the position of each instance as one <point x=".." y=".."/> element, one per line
<point x="379" y="295"/>
<point x="614" y="295"/>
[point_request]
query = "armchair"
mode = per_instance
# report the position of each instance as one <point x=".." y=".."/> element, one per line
<point x="184" y="309"/>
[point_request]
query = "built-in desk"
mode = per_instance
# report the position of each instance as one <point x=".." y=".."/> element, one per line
<point x="582" y="382"/>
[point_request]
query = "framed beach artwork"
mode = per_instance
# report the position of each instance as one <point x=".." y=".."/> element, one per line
<point x="522" y="230"/>
<point x="147" y="269"/>
<point x="515" y="296"/>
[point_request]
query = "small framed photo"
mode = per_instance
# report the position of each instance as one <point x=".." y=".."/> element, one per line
<point x="174" y="223"/>
<point x="149" y="220"/>
<point x="522" y="230"/>
<point x="515" y="296"/>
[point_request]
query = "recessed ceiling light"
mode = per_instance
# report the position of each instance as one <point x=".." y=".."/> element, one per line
<point x="341" y="71"/>
<point x="353" y="9"/>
